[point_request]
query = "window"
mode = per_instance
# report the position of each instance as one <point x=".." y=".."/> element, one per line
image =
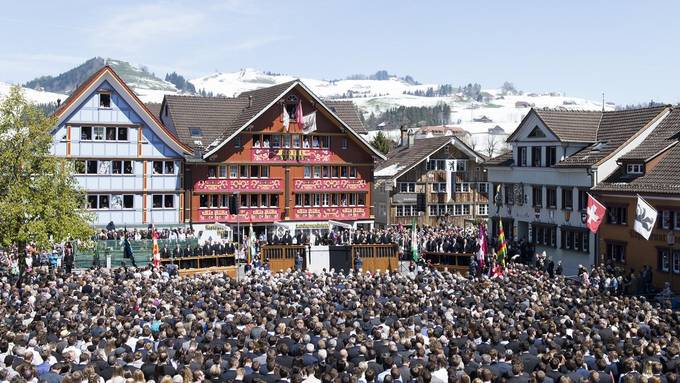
<point x="544" y="235"/>
<point x="458" y="210"/>
<point x="325" y="172"/>
<point x="567" y="198"/>
<point x="635" y="168"/>
<point x="233" y="171"/>
<point x="483" y="209"/>
<point x="244" y="200"/>
<point x="507" y="194"/>
<point x="325" y="142"/>
<point x="335" y="172"/>
<point x="664" y="260"/>
<point x="436" y="165"/>
<point x="274" y="200"/>
<point x="537" y="196"/>
<point x="254" y="171"/>
<point x="203" y="200"/>
<point x="296" y="141"/>
<point x="91" y="167"/>
<point x="85" y="133"/>
<point x="237" y="141"/>
<point x="616" y="215"/>
<point x="406" y="187"/>
<point x="461" y="165"/>
<point x="582" y="200"/>
<point x="522" y="156"/>
<point x="536" y="156"/>
<point x="166" y="167"/>
<point x="552" y="198"/>
<point x="222" y="172"/>
<point x="276" y="141"/>
<point x="433" y="210"/>
<point x="254" y="200"/>
<point x="352" y="172"/>
<point x="122" y="134"/>
<point x="99" y="133"/>
<point x="243" y="171"/>
<point x="104" y="100"/>
<point x="676" y="262"/>
<point x="317" y="171"/>
<point x="157" y="201"/>
<point x="343" y="171"/>
<point x="484" y="187"/>
<point x="110" y="134"/>
<point x="616" y="251"/>
<point x="439" y="187"/>
<point x="550" y="155"/>
<point x="128" y="201"/>
<point x="196" y="132"/>
<point x="343" y="143"/>
<point x="308" y="171"/>
<point x="466" y="209"/>
<point x="463" y="187"/>
<point x="103" y="202"/>
<point x="121" y="167"/>
<point x="92" y="202"/>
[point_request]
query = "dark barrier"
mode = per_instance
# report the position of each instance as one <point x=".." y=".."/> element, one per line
<point x="282" y="257"/>
<point x="451" y="262"/>
<point x="377" y="257"/>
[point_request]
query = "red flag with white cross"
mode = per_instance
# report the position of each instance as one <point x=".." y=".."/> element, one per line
<point x="594" y="214"/>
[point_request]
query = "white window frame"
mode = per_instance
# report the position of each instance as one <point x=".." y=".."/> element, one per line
<point x="675" y="262"/>
<point x="410" y="187"/>
<point x="635" y="168"/>
<point x="483" y="209"/>
<point x="483" y="187"/>
<point x="439" y="187"/>
<point x="462" y="187"/>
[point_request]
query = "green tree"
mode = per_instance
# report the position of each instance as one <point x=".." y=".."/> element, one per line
<point x="382" y="143"/>
<point x="40" y="201"/>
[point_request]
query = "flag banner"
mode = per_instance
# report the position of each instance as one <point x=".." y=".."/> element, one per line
<point x="645" y="218"/>
<point x="481" y="255"/>
<point x="594" y="214"/>
<point x="502" y="246"/>
<point x="285" y="117"/>
<point x="310" y="123"/>
<point x="155" y="250"/>
<point x="299" y="116"/>
<point x="414" y="243"/>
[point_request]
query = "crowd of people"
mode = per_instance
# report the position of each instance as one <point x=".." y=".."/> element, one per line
<point x="141" y="325"/>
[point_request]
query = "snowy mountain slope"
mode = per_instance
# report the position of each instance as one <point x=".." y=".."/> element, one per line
<point x="36" y="96"/>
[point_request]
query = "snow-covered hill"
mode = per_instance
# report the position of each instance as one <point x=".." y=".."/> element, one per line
<point x="35" y="96"/>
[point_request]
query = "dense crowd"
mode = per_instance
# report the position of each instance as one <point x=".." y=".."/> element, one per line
<point x="139" y="325"/>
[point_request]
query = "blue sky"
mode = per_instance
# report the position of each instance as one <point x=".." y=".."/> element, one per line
<point x="627" y="49"/>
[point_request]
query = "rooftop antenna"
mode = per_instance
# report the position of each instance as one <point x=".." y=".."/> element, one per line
<point x="603" y="101"/>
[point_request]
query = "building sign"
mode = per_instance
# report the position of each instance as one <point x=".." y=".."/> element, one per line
<point x="291" y="155"/>
<point x="246" y="215"/>
<point x="225" y="185"/>
<point x="330" y="185"/>
<point x="334" y="213"/>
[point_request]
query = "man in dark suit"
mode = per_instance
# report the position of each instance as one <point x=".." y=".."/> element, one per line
<point x="165" y="252"/>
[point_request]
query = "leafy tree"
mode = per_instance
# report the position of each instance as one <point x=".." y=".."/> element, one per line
<point x="40" y="201"/>
<point x="382" y="143"/>
<point x="508" y="88"/>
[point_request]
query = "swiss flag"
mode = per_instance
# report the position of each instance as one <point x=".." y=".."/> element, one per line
<point x="594" y="214"/>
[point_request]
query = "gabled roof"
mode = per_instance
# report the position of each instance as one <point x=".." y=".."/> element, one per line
<point x="106" y="73"/>
<point x="264" y="98"/>
<point x="504" y="159"/>
<point x="615" y="129"/>
<point x="664" y="136"/>
<point x="348" y="112"/>
<point x="211" y="114"/>
<point x="664" y="178"/>
<point x="402" y="159"/>
<point x="571" y="126"/>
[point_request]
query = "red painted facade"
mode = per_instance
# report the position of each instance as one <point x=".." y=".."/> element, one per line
<point x="284" y="175"/>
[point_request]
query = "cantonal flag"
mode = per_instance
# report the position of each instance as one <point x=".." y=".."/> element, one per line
<point x="594" y="214"/>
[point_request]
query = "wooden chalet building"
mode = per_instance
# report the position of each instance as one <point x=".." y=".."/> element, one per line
<point x="127" y="162"/>
<point x="652" y="170"/>
<point x="446" y="172"/>
<point x="281" y="177"/>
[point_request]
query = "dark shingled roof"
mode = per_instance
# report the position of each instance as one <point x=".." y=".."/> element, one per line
<point x="220" y="117"/>
<point x="504" y="159"/>
<point x="665" y="135"/>
<point x="571" y="126"/>
<point x="664" y="178"/>
<point x="213" y="115"/>
<point x="408" y="157"/>
<point x="348" y="112"/>
<point x="154" y="108"/>
<point x="614" y="129"/>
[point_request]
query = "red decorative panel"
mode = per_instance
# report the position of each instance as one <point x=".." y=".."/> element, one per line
<point x="291" y="155"/>
<point x="343" y="185"/>
<point x="334" y="213"/>
<point x="245" y="185"/>
<point x="246" y="215"/>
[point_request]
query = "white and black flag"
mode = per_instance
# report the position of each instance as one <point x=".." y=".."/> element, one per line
<point x="645" y="218"/>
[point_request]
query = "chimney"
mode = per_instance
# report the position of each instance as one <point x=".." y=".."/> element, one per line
<point x="58" y="102"/>
<point x="250" y="101"/>
<point x="411" y="138"/>
<point x="404" y="133"/>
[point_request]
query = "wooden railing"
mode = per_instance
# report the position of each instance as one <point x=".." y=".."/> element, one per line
<point x="451" y="262"/>
<point x="282" y="257"/>
<point x="376" y="257"/>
